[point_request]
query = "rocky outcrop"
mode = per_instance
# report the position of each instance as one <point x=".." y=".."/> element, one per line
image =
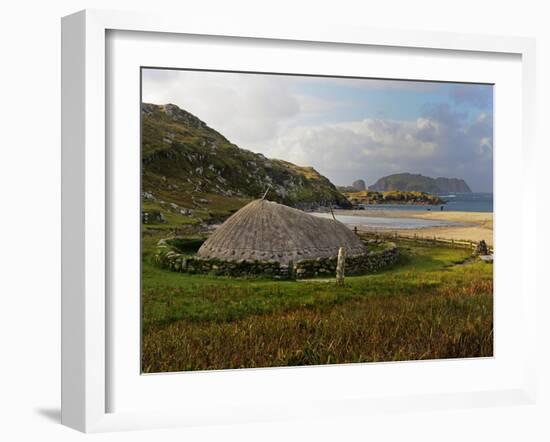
<point x="152" y="217"/>
<point x="481" y="248"/>
<point x="359" y="185"/>
<point x="452" y="185"/>
<point x="392" y="197"/>
<point x="420" y="183"/>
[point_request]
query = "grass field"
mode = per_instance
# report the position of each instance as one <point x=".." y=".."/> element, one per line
<point x="430" y="305"/>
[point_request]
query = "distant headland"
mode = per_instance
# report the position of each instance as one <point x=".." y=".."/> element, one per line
<point x="408" y="182"/>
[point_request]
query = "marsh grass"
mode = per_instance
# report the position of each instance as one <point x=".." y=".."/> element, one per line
<point x="427" y="307"/>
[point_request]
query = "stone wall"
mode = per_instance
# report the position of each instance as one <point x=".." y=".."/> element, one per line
<point x="371" y="262"/>
<point x="355" y="265"/>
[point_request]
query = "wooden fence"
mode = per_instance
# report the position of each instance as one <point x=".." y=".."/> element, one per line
<point x="433" y="239"/>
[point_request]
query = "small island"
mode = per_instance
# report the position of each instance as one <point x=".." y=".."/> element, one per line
<point x="420" y="183"/>
<point x="367" y="197"/>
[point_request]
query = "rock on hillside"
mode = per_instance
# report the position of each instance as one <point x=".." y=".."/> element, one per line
<point x="184" y="159"/>
<point x="420" y="183"/>
<point x="359" y="185"/>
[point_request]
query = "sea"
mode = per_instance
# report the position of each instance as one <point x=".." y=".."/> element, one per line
<point x="460" y="202"/>
<point x="387" y="223"/>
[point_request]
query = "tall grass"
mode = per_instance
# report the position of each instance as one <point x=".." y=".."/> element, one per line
<point x="427" y="307"/>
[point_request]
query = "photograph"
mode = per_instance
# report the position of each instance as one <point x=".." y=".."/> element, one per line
<point x="298" y="220"/>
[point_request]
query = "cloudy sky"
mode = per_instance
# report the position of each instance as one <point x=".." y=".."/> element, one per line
<point x="345" y="128"/>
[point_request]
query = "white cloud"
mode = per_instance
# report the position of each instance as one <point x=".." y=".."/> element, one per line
<point x="378" y="84"/>
<point x="372" y="148"/>
<point x="245" y="108"/>
<point x="275" y="115"/>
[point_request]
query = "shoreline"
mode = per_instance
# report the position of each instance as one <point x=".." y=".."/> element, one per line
<point x="474" y="226"/>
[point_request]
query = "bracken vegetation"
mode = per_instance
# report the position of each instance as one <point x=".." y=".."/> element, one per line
<point x="434" y="304"/>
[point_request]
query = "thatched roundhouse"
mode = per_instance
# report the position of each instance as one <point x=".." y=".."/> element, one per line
<point x="267" y="231"/>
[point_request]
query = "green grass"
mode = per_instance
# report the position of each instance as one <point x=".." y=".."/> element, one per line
<point x="427" y="306"/>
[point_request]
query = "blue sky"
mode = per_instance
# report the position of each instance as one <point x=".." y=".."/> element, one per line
<point x="345" y="128"/>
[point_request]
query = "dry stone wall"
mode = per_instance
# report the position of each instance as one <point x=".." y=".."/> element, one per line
<point x="370" y="262"/>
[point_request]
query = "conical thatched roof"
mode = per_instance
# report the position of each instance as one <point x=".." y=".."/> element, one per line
<point x="263" y="230"/>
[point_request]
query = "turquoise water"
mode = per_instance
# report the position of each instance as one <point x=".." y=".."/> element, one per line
<point x="377" y="222"/>
<point x="461" y="202"/>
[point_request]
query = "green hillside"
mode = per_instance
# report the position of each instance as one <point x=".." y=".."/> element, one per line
<point x="190" y="170"/>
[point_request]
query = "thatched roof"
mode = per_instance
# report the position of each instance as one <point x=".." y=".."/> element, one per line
<point x="263" y="230"/>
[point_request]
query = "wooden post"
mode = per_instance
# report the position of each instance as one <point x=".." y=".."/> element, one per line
<point x="266" y="190"/>
<point x="332" y="211"/>
<point x="340" y="267"/>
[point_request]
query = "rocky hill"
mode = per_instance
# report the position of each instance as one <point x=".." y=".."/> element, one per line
<point x="189" y="166"/>
<point x="420" y="183"/>
<point x="359" y="185"/>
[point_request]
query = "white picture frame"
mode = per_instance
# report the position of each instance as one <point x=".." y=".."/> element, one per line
<point x="86" y="357"/>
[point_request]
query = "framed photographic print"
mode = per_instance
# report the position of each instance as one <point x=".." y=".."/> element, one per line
<point x="269" y="223"/>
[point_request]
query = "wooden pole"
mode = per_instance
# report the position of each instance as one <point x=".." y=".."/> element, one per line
<point x="340" y="267"/>
<point x="267" y="190"/>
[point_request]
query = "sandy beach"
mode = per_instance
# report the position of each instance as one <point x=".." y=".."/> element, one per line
<point x="471" y="226"/>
